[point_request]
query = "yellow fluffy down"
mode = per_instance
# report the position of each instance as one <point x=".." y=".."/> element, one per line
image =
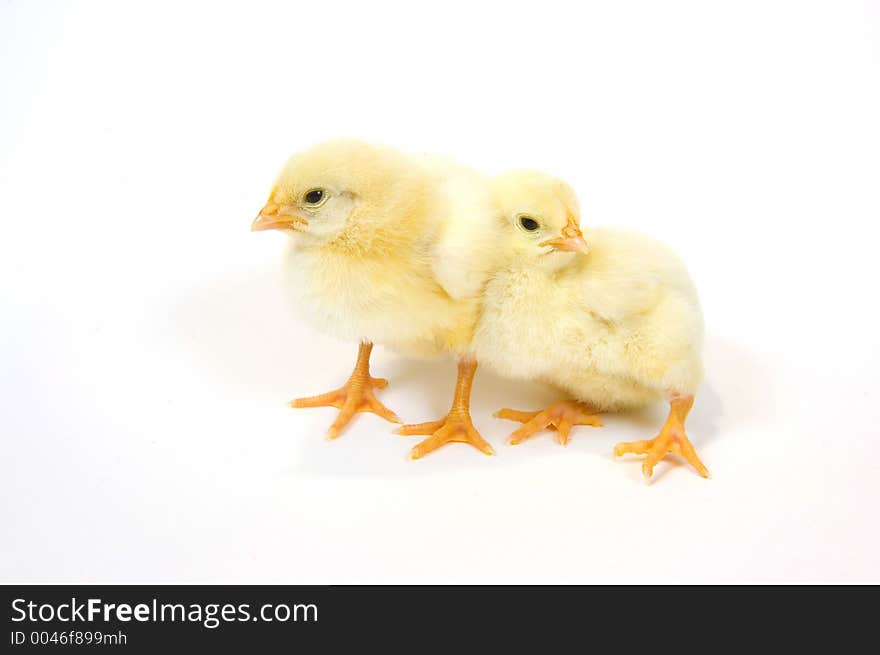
<point x="390" y="273"/>
<point x="617" y="328"/>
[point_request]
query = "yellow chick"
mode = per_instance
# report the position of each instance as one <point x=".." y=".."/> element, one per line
<point x="609" y="316"/>
<point x="390" y="248"/>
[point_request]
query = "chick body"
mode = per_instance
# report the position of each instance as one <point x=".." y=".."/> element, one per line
<point x="619" y="327"/>
<point x="394" y="301"/>
<point x="399" y="270"/>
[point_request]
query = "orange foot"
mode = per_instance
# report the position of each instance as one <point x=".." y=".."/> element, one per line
<point x="559" y="416"/>
<point x="354" y="396"/>
<point x="457" y="426"/>
<point x="453" y="428"/>
<point x="672" y="439"/>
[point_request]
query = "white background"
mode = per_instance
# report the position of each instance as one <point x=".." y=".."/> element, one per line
<point x="148" y="351"/>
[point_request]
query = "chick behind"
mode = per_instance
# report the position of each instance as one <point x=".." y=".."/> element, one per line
<point x="616" y="324"/>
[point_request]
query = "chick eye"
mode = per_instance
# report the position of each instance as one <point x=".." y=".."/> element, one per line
<point x="528" y="223"/>
<point x="314" y="197"/>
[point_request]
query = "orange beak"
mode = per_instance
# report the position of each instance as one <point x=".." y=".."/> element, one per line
<point x="275" y="217"/>
<point x="572" y="239"/>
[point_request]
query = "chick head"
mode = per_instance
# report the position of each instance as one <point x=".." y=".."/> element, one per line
<point x="541" y="218"/>
<point x="343" y="191"/>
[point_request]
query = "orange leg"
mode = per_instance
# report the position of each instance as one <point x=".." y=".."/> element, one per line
<point x="559" y="416"/>
<point x="354" y="396"/>
<point x="457" y="425"/>
<point x="672" y="439"/>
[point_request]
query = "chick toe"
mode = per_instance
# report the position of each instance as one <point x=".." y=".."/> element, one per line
<point x="457" y="426"/>
<point x="355" y="396"/>
<point x="560" y="416"/>
<point x="429" y="427"/>
<point x="452" y="430"/>
<point x="672" y="439"/>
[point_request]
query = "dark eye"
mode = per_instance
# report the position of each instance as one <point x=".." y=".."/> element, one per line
<point x="314" y="197"/>
<point x="528" y="223"/>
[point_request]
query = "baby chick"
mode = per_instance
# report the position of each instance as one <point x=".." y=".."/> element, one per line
<point x="609" y="316"/>
<point x="383" y="248"/>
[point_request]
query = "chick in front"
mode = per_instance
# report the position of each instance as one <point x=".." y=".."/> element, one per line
<point x="376" y="242"/>
<point x="609" y="316"/>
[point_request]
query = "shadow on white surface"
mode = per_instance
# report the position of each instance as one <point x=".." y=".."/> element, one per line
<point x="242" y="334"/>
